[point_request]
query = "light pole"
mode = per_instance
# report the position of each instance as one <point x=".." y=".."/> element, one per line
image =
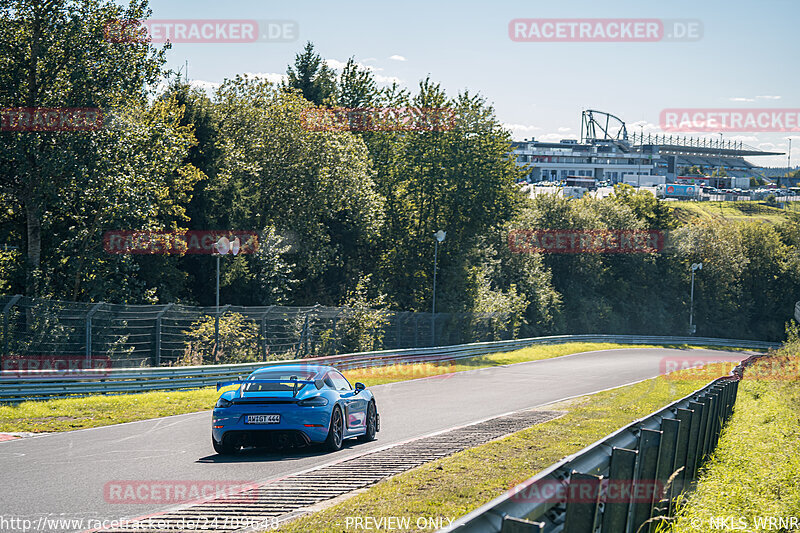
<point x="641" y="153"/>
<point x="439" y="235"/>
<point x="692" y="327"/>
<point x="719" y="171"/>
<point x="222" y="247"/>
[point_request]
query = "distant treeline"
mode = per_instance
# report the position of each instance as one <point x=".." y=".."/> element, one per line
<point x="345" y="215"/>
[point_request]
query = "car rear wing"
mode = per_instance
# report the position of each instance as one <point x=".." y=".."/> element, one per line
<point x="294" y="382"/>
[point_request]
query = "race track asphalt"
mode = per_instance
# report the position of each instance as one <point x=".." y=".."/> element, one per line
<point x="64" y="475"/>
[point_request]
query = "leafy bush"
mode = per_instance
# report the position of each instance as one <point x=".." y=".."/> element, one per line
<point x="238" y="341"/>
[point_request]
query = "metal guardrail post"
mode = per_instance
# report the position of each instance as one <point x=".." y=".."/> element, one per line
<point x="159" y="316"/>
<point x="620" y="477"/>
<point x="717" y="411"/>
<point x="703" y="435"/>
<point x="89" y="315"/>
<point x="6" y="310"/>
<point x="684" y="416"/>
<point x="713" y="403"/>
<point x="583" y="502"/>
<point x="665" y="467"/>
<point x="694" y="433"/>
<point x="649" y="444"/>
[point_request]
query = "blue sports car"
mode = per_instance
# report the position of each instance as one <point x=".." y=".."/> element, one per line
<point x="292" y="405"/>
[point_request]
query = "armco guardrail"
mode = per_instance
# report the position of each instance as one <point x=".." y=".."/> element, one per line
<point x="38" y="385"/>
<point x="797" y="311"/>
<point x="621" y="481"/>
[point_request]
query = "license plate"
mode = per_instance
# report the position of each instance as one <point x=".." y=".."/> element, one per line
<point x="262" y="419"/>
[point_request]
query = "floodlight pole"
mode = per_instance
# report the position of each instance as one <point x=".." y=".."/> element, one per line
<point x="692" y="327"/>
<point x="216" y="314"/>
<point x="438" y="237"/>
<point x="433" y="307"/>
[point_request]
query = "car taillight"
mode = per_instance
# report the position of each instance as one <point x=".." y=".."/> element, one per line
<point x="316" y="401"/>
<point x="223" y="402"/>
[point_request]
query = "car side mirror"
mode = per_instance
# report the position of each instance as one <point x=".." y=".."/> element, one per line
<point x="359" y="387"/>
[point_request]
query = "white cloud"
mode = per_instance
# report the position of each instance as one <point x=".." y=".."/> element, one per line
<point x="207" y="86"/>
<point x="768" y="97"/>
<point x="269" y="76"/>
<point x="369" y="59"/>
<point x="741" y="99"/>
<point x="742" y="138"/>
<point x="555" y="137"/>
<point x="397" y="58"/>
<point x="768" y="147"/>
<point x="642" y="125"/>
<point x="387" y="79"/>
<point x="339" y="66"/>
<point x="564" y="130"/>
<point x="519" y="131"/>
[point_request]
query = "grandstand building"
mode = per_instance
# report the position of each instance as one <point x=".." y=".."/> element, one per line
<point x="606" y="153"/>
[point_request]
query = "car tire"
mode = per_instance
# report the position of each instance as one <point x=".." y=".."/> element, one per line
<point x="335" y="431"/>
<point x="372" y="423"/>
<point x="224" y="449"/>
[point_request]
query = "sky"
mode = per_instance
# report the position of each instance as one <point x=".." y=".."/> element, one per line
<point x="745" y="57"/>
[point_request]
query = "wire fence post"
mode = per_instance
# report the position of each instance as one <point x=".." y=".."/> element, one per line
<point x="335" y="333"/>
<point x="157" y="358"/>
<point x="89" y="315"/>
<point x="263" y="329"/>
<point x="6" y="311"/>
<point x="301" y="345"/>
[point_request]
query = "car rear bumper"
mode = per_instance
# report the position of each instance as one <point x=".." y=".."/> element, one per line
<point x="311" y="423"/>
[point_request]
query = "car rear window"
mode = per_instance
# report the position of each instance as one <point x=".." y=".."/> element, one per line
<point x="277" y="387"/>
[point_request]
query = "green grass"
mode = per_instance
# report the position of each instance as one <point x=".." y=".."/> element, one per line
<point x="755" y="470"/>
<point x="453" y="486"/>
<point x="101" y="410"/>
<point x="686" y="210"/>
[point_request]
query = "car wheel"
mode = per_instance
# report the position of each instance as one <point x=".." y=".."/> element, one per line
<point x="224" y="449"/>
<point x="336" y="431"/>
<point x="372" y="423"/>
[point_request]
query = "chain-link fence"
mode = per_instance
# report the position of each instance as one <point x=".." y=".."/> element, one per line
<point x="162" y="335"/>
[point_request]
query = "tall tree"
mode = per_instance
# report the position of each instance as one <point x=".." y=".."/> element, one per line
<point x="314" y="188"/>
<point x="357" y="86"/>
<point x="312" y="76"/>
<point x="55" y="54"/>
